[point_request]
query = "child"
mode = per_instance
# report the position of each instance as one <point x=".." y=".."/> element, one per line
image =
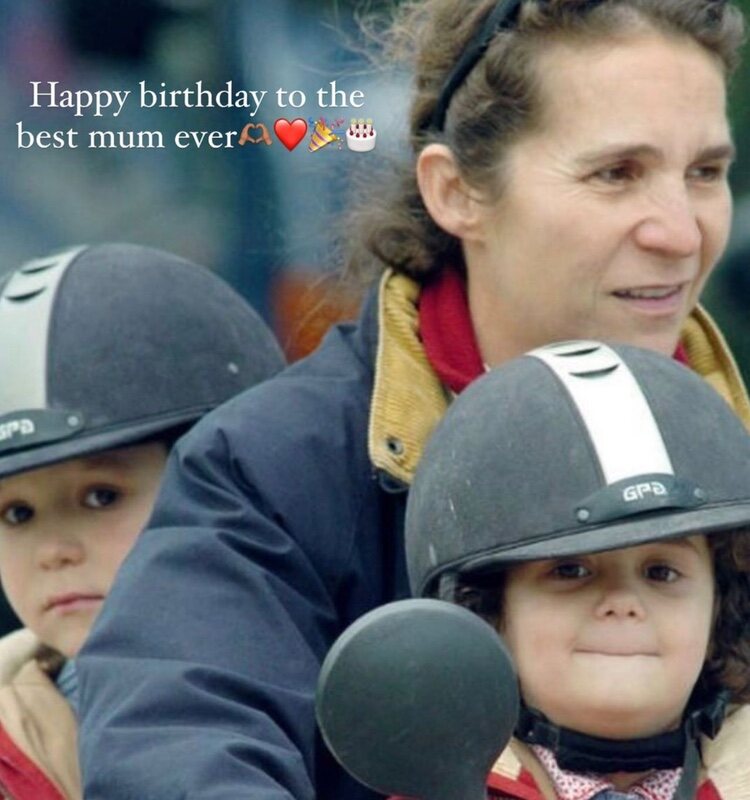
<point x="108" y="353"/>
<point x="593" y="504"/>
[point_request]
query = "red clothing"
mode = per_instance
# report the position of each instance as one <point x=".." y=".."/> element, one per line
<point x="447" y="332"/>
<point x="448" y="336"/>
<point x="20" y="777"/>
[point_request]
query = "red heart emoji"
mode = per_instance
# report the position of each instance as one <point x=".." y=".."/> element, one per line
<point x="290" y="134"/>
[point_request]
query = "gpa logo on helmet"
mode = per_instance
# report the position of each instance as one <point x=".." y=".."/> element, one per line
<point x="638" y="491"/>
<point x="16" y="427"/>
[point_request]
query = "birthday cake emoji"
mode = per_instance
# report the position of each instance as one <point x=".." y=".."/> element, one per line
<point x="361" y="136"/>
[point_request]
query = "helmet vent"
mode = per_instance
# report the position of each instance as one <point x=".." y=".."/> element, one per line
<point x="580" y="351"/>
<point x="37" y="266"/>
<point x="21" y="297"/>
<point x="26" y="309"/>
<point x="596" y="373"/>
<point x="614" y="412"/>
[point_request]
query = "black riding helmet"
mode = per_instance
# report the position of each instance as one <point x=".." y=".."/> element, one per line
<point x="577" y="448"/>
<point x="102" y="346"/>
<point x="574" y="448"/>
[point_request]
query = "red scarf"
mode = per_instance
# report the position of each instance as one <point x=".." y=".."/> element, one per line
<point x="448" y="334"/>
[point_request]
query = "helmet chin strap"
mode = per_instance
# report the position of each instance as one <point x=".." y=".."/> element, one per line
<point x="580" y="752"/>
<point x="688" y="785"/>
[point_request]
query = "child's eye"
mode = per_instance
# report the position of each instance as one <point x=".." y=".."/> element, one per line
<point x="570" y="570"/>
<point x="101" y="497"/>
<point x="662" y="573"/>
<point x="17" y="514"/>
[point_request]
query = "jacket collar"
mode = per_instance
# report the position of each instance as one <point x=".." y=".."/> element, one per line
<point x="709" y="356"/>
<point x="38" y="725"/>
<point x="408" y="399"/>
<point x="518" y="774"/>
<point x="725" y="757"/>
<point x="16" y="650"/>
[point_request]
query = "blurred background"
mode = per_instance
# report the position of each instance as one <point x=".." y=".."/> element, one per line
<point x="267" y="219"/>
<point x="263" y="217"/>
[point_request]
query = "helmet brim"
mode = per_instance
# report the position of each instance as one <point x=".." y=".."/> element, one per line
<point x="82" y="445"/>
<point x="709" y="519"/>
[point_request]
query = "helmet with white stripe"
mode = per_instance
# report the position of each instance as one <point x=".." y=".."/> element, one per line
<point x="574" y="448"/>
<point x="106" y="345"/>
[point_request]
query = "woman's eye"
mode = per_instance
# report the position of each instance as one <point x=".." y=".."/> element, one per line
<point x="570" y="571"/>
<point x="662" y="573"/>
<point x="100" y="497"/>
<point x="17" y="514"/>
<point x="619" y="173"/>
<point x="707" y="173"/>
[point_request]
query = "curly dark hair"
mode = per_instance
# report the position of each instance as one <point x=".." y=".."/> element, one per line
<point x="498" y="103"/>
<point x="728" y="663"/>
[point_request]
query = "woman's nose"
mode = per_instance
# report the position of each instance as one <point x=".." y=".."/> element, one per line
<point x="670" y="226"/>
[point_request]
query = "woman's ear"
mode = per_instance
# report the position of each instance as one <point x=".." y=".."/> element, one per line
<point x="454" y="205"/>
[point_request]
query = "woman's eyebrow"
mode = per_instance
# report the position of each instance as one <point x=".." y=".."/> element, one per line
<point x="720" y="152"/>
<point x="726" y="151"/>
<point x="619" y="151"/>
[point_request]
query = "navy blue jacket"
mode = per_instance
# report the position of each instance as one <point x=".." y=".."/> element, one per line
<point x="273" y="531"/>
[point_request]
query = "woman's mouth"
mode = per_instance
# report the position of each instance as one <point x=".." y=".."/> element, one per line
<point x="653" y="299"/>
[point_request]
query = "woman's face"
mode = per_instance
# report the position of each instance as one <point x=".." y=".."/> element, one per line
<point x="611" y="644"/>
<point x="615" y="212"/>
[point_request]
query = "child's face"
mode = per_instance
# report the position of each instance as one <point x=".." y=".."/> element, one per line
<point x="611" y="644"/>
<point x="64" y="531"/>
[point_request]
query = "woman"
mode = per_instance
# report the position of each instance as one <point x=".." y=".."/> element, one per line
<point x="569" y="179"/>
